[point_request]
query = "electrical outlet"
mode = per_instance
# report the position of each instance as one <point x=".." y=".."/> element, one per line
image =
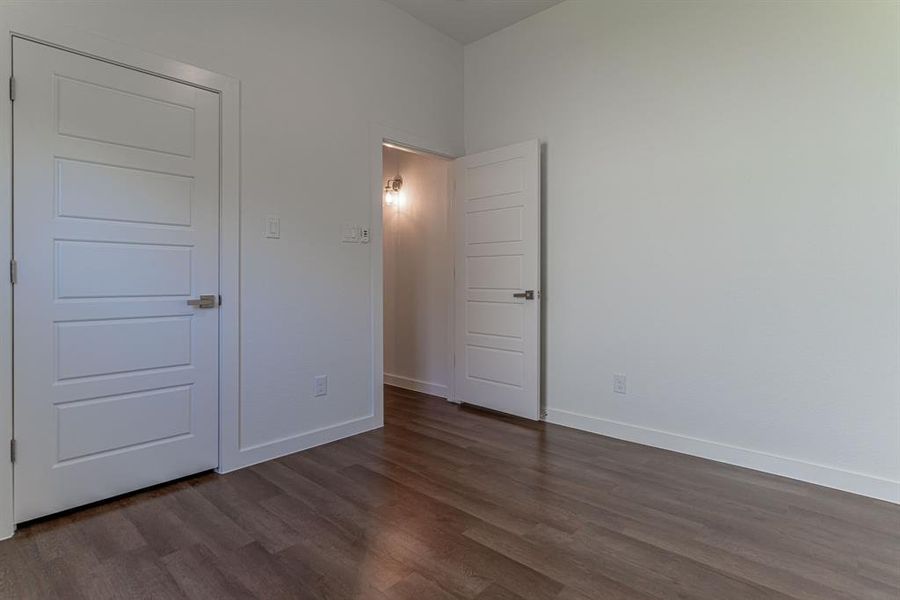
<point x="620" y="383"/>
<point x="320" y="385"/>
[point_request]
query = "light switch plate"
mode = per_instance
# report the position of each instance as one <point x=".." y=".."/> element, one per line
<point x="320" y="385"/>
<point x="273" y="227"/>
<point x="620" y="383"/>
<point x="350" y="233"/>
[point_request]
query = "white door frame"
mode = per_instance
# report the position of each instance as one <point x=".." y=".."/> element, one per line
<point x="228" y="89"/>
<point x="380" y="135"/>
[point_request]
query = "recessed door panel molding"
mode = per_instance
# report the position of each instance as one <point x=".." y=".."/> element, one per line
<point x="492" y="365"/>
<point x="107" y="347"/>
<point x="116" y="213"/>
<point x="114" y="116"/>
<point x="500" y="319"/>
<point x="497" y="284"/>
<point x="504" y="272"/>
<point x="142" y="269"/>
<point x="106" y="192"/>
<point x="164" y="414"/>
<point x="494" y="225"/>
<point x="504" y="176"/>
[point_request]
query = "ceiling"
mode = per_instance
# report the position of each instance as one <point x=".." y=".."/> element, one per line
<point x="470" y="20"/>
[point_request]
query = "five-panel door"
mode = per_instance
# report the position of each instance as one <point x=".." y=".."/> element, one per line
<point x="497" y="279"/>
<point x="115" y="220"/>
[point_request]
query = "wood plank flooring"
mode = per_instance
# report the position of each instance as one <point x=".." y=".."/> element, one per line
<point x="454" y="503"/>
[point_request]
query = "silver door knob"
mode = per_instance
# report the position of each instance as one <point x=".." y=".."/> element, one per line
<point x="204" y="301"/>
<point x="527" y="294"/>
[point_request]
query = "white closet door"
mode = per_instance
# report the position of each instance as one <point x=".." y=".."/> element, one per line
<point x="116" y="204"/>
<point x="497" y="283"/>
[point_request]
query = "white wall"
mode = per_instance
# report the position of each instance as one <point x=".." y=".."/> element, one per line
<point x="721" y="214"/>
<point x="315" y="78"/>
<point x="417" y="274"/>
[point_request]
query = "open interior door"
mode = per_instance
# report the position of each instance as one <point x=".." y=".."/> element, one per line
<point x="497" y="298"/>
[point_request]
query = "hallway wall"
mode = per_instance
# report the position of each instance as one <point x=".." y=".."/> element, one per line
<point x="417" y="274"/>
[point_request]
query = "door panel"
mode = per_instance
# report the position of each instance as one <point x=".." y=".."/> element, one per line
<point x="494" y="226"/>
<point x="116" y="201"/>
<point x="128" y="118"/>
<point x="106" y="193"/>
<point x="497" y="337"/>
<point x="144" y="269"/>
<point x="163" y="414"/>
<point x="112" y="347"/>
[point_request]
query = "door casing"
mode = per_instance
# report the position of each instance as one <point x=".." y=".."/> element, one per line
<point x="228" y="90"/>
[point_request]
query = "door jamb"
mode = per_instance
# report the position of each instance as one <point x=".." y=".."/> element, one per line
<point x="228" y="88"/>
<point x="380" y="135"/>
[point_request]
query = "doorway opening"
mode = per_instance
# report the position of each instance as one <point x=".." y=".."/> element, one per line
<point x="456" y="275"/>
<point x="417" y="254"/>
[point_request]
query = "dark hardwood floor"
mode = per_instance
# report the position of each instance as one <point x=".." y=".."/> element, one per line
<point x="449" y="502"/>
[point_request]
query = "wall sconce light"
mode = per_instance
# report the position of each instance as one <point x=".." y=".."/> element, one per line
<point x="392" y="190"/>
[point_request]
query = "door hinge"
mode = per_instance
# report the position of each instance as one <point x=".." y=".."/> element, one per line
<point x="12" y="451"/>
<point x="12" y="89"/>
<point x="220" y="299"/>
<point x="13" y="271"/>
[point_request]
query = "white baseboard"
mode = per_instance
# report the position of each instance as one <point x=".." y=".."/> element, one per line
<point x="848" y="481"/>
<point x="408" y="383"/>
<point x="257" y="453"/>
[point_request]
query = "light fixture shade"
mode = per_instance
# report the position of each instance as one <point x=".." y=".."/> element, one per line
<point x="392" y="190"/>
